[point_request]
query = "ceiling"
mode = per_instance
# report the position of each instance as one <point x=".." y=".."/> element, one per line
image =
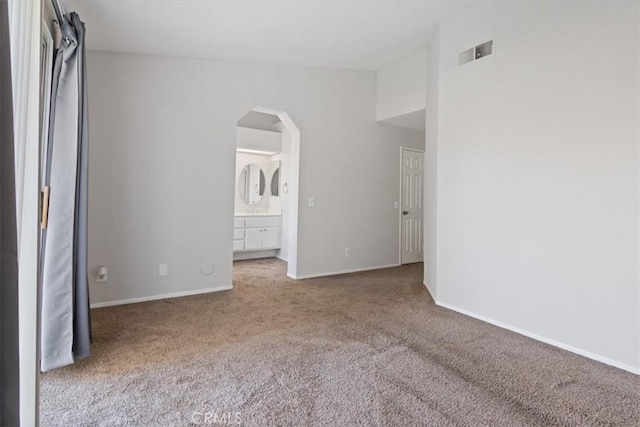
<point x="259" y="120"/>
<point x="353" y="34"/>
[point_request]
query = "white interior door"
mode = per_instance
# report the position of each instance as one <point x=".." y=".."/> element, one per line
<point x="411" y="209"/>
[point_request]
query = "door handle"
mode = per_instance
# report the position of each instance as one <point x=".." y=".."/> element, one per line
<point x="405" y="212"/>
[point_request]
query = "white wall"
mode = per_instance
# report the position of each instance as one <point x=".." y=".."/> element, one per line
<point x="431" y="167"/>
<point x="401" y="87"/>
<point x="537" y="174"/>
<point x="286" y="169"/>
<point x="260" y="140"/>
<point x="163" y="139"/>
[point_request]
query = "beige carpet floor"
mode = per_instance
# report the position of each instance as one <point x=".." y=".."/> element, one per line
<point x="366" y="349"/>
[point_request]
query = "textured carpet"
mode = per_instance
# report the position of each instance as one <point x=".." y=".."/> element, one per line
<point x="361" y="349"/>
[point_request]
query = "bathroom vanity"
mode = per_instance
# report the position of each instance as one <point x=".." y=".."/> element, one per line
<point x="257" y="223"/>
<point x="256" y="232"/>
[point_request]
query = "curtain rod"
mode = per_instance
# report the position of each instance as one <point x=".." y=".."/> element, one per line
<point x="62" y="22"/>
<point x="59" y="11"/>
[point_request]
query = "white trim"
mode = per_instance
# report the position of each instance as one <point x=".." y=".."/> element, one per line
<point x="161" y="296"/>
<point x="415" y="150"/>
<point x="545" y="340"/>
<point x="399" y="213"/>
<point x="433" y="297"/>
<point x="25" y="36"/>
<point x="638" y="293"/>
<point x="334" y="273"/>
<point x="261" y="152"/>
<point x="253" y="254"/>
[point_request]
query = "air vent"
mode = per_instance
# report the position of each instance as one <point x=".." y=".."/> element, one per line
<point x="467" y="56"/>
<point x="484" y="49"/>
<point x="475" y="53"/>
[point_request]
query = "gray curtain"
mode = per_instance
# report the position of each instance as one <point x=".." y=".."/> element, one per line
<point x="9" y="357"/>
<point x="65" y="325"/>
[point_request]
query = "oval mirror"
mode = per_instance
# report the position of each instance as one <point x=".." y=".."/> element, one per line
<point x="251" y="184"/>
<point x="275" y="182"/>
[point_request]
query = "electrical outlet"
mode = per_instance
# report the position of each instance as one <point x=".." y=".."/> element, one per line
<point x="163" y="270"/>
<point x="347" y="252"/>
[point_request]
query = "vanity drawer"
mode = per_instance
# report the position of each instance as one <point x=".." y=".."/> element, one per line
<point x="238" y="222"/>
<point x="238" y="245"/>
<point x="238" y="233"/>
<point x="263" y="222"/>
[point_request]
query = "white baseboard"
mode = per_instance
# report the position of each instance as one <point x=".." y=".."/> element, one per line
<point x="426" y="285"/>
<point x="334" y="273"/>
<point x="161" y="296"/>
<point x="545" y="340"/>
<point x="247" y="255"/>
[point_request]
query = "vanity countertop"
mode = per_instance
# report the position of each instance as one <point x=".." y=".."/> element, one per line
<point x="257" y="214"/>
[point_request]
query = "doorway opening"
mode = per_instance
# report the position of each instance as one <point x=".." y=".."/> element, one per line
<point x="266" y="188"/>
<point x="411" y="205"/>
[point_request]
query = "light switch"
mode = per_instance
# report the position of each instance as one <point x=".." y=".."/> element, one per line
<point x="101" y="274"/>
<point x="163" y="270"/>
<point x="312" y="202"/>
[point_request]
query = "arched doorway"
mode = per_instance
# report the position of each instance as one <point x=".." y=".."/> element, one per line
<point x="267" y="187"/>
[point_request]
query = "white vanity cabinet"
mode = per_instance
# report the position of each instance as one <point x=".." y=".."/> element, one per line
<point x="256" y="233"/>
